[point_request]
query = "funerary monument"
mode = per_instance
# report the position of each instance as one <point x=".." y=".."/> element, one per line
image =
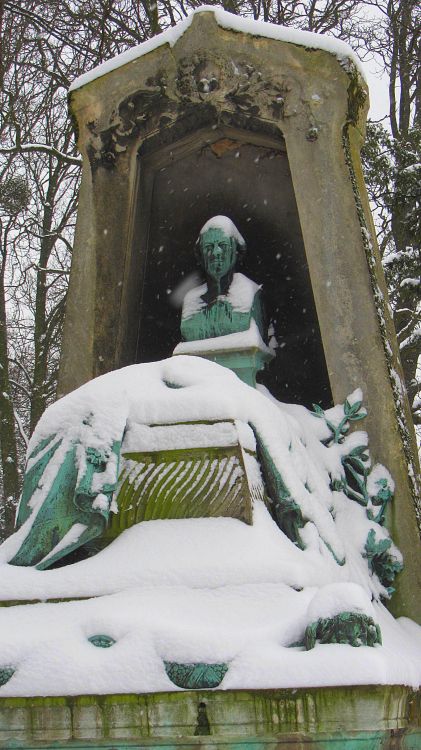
<point x="217" y="543"/>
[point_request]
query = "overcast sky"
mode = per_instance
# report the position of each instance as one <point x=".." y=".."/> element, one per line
<point x="379" y="95"/>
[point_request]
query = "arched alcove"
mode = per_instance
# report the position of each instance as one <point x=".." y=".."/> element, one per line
<point x="246" y="177"/>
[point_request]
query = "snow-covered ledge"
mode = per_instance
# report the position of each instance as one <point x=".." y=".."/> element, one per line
<point x="341" y="50"/>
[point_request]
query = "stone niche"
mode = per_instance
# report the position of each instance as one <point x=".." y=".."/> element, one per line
<point x="267" y="132"/>
<point x="225" y="170"/>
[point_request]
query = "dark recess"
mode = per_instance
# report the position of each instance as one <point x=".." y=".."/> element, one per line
<point x="252" y="185"/>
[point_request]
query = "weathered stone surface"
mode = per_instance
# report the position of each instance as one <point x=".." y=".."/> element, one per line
<point x="302" y="100"/>
<point x="373" y="717"/>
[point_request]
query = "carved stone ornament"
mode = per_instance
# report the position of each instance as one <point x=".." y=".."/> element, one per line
<point x="239" y="84"/>
<point x="142" y="111"/>
<point x="205" y="82"/>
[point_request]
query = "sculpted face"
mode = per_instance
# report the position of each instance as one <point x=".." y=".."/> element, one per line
<point x="219" y="253"/>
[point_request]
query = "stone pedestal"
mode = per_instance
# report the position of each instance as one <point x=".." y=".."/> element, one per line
<point x="367" y="718"/>
<point x="245" y="361"/>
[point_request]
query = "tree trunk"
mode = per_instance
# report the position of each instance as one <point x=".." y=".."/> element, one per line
<point x="8" y="449"/>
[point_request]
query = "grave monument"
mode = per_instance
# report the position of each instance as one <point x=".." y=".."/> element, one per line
<point x="203" y="550"/>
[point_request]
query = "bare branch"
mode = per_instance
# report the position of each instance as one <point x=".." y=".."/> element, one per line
<point x="26" y="148"/>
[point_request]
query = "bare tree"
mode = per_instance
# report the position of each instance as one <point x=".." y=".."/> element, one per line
<point x="392" y="160"/>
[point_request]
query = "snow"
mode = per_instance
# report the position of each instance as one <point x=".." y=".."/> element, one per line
<point x="342" y="51"/>
<point x="226" y="225"/>
<point x="410" y="282"/>
<point x="74" y="533"/>
<point x="204" y="589"/>
<point x="335" y="598"/>
<point x="251" y="626"/>
<point x="239" y="341"/>
<point x="412" y="169"/>
<point x="240" y="296"/>
<point x="142" y="437"/>
<point x="193" y="302"/>
<point x="242" y="292"/>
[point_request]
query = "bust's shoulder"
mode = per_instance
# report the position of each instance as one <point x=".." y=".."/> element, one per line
<point x="193" y="301"/>
<point x="242" y="292"/>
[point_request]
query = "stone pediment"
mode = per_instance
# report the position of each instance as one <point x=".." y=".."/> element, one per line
<point x="213" y="73"/>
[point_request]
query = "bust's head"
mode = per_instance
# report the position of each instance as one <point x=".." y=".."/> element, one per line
<point x="219" y="246"/>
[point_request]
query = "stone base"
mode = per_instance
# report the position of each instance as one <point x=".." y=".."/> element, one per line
<point x="364" y="717"/>
<point x="245" y="362"/>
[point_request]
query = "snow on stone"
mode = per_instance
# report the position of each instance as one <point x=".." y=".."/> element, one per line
<point x="141" y="437"/>
<point x="204" y="589"/>
<point x="335" y="598"/>
<point x="251" y="627"/>
<point x="231" y="341"/>
<point x="336" y="47"/>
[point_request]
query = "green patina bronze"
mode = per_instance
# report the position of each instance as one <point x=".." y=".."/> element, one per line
<point x="101" y="641"/>
<point x="355" y="484"/>
<point x="381" y="561"/>
<point x="6" y="673"/>
<point x="196" y="676"/>
<point x="285" y="511"/>
<point x="218" y="251"/>
<point x="219" y="248"/>
<point x="352" y="628"/>
<point x="351" y="413"/>
<point x="67" y="503"/>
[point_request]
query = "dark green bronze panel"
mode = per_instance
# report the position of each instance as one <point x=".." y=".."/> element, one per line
<point x="347" y="627"/>
<point x="69" y="501"/>
<point x="195" y="676"/>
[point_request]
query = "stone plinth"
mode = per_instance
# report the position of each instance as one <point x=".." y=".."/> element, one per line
<point x="367" y="718"/>
<point x="245" y="361"/>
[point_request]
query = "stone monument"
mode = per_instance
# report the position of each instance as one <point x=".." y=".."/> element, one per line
<point x="203" y="551"/>
<point x="277" y="124"/>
